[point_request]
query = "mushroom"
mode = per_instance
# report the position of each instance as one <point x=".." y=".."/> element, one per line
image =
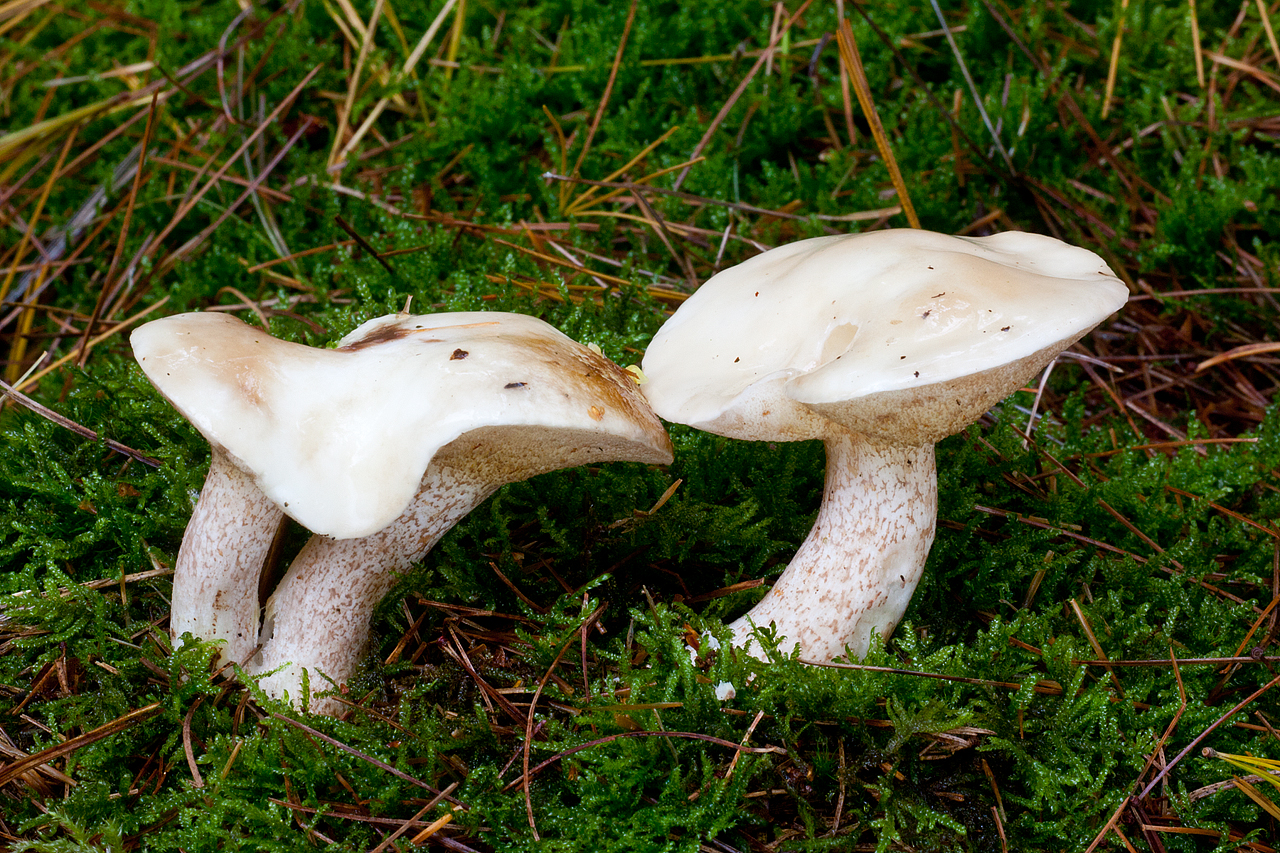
<point x="378" y="446"/>
<point x="880" y="345"/>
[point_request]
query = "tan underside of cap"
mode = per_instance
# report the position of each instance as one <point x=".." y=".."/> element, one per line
<point x="930" y="413"/>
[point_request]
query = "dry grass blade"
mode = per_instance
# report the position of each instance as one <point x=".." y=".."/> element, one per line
<point x="109" y="278"/>
<point x="186" y="248"/>
<point x="1268" y="769"/>
<point x="733" y="763"/>
<point x="431" y="830"/>
<point x="1252" y="70"/>
<point x="353" y="84"/>
<point x="853" y="62"/>
<point x="1195" y="42"/>
<point x="1115" y="59"/>
<point x="122" y="71"/>
<point x="14" y="769"/>
<point x="315" y="250"/>
<point x="410" y="64"/>
<point x="12" y="13"/>
<point x="455" y="38"/>
<point x="14" y="142"/>
<point x="588" y="198"/>
<point x="1254" y="794"/>
<point x="37" y="779"/>
<point x="18" y="349"/>
<point x="1271" y="33"/>
<point x="562" y="263"/>
<point x="659" y="226"/>
<point x="859" y="216"/>
<point x="604" y="99"/>
<point x="119" y="327"/>
<point x="197" y="781"/>
<point x="420" y="48"/>
<point x="968" y="78"/>
<point x="262" y="128"/>
<point x="413" y="822"/>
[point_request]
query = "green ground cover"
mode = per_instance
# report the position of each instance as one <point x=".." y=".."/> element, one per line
<point x="1099" y="604"/>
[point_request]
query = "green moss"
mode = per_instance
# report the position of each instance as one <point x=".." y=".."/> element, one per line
<point x="1086" y="535"/>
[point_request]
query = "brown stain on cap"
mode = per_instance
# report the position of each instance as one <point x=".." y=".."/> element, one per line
<point x="385" y="334"/>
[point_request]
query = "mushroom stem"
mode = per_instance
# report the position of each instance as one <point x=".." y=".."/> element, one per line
<point x="215" y="578"/>
<point x="318" y="619"/>
<point x="855" y="572"/>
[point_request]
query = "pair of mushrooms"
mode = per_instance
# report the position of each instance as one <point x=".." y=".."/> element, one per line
<point x="878" y="344"/>
<point x="378" y="447"/>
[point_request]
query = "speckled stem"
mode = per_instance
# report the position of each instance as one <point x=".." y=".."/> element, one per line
<point x="215" y="580"/>
<point x="857" y="569"/>
<point x="318" y="617"/>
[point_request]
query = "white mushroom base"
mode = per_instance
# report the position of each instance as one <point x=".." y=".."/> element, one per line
<point x="855" y="573"/>
<point x="318" y="617"/>
<point x="215" y="578"/>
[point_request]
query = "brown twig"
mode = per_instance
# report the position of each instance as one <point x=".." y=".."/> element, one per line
<point x="1204" y="734"/>
<point x="8" y="391"/>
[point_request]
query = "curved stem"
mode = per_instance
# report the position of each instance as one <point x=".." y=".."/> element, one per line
<point x="857" y="569"/>
<point x="215" y="578"/>
<point x="318" y="617"/>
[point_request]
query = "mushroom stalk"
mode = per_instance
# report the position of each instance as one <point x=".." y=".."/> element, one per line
<point x="855" y="572"/>
<point x="318" y="618"/>
<point x="215" y="578"/>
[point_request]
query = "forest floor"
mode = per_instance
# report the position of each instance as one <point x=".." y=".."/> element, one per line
<point x="1089" y="662"/>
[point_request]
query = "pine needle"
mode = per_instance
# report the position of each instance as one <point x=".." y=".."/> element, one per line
<point x="1271" y="33"/>
<point x="455" y="38"/>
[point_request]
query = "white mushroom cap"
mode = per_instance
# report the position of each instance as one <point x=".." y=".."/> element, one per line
<point x="901" y="335"/>
<point x="340" y="438"/>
